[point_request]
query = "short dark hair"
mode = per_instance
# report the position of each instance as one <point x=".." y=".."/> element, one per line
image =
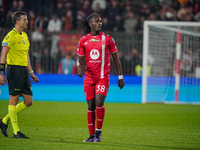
<point x="17" y="15"/>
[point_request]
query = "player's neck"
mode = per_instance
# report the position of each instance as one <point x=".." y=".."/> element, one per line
<point x="18" y="29"/>
<point x="95" y="33"/>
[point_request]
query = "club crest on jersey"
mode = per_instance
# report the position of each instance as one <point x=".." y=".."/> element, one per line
<point x="94" y="54"/>
<point x="94" y="40"/>
<point x="103" y="42"/>
<point x="23" y="41"/>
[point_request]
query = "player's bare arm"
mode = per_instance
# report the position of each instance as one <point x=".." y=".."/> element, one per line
<point x="119" y="70"/>
<point x="2" y="65"/>
<point x="31" y="72"/>
<point x="80" y="66"/>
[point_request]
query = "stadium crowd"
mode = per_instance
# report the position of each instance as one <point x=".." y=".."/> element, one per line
<point x="48" y="17"/>
<point x="117" y="15"/>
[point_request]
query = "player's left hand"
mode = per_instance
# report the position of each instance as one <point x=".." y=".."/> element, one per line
<point x="121" y="83"/>
<point x="34" y="77"/>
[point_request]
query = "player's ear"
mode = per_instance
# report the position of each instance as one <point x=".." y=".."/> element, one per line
<point x="90" y="24"/>
<point x="17" y="21"/>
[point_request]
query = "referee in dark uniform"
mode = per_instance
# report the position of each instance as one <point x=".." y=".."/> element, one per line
<point x="15" y="55"/>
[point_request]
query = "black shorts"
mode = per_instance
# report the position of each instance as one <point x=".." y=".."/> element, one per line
<point x="18" y="80"/>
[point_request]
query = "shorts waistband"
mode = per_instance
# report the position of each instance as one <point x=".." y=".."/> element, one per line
<point x="16" y="66"/>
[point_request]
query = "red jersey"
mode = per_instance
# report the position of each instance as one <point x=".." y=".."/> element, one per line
<point x="97" y="50"/>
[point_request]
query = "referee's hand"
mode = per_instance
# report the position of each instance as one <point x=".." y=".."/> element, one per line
<point x="34" y="77"/>
<point x="2" y="79"/>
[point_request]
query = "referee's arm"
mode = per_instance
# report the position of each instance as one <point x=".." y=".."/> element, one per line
<point x="2" y="63"/>
<point x="4" y="54"/>
<point x="31" y="72"/>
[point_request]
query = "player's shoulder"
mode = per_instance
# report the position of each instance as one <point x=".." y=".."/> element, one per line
<point x="107" y="35"/>
<point x="85" y="37"/>
<point x="24" y="34"/>
<point x="9" y="35"/>
<point x="13" y="34"/>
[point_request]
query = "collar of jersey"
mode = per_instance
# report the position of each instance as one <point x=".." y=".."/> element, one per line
<point x="16" y="31"/>
<point x="96" y="35"/>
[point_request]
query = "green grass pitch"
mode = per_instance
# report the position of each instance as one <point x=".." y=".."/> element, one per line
<point x="63" y="126"/>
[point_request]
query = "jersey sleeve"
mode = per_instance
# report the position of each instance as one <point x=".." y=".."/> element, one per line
<point x="7" y="41"/>
<point x="80" y="50"/>
<point x="27" y="41"/>
<point x="112" y="45"/>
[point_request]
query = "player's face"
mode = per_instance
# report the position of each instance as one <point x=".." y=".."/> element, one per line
<point x="23" y="22"/>
<point x="96" y="24"/>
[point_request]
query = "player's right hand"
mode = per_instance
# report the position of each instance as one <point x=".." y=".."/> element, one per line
<point x="80" y="71"/>
<point x="121" y="83"/>
<point x="2" y="79"/>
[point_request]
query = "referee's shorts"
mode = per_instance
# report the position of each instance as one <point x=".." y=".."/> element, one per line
<point x="18" y="80"/>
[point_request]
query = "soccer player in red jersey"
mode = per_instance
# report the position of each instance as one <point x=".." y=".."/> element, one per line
<point x="96" y="47"/>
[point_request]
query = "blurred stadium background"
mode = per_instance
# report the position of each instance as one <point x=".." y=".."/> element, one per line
<point x="63" y="124"/>
<point x="52" y="34"/>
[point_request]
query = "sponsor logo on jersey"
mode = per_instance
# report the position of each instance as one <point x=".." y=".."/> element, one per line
<point x="94" y="40"/>
<point x="5" y="44"/>
<point x="94" y="54"/>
